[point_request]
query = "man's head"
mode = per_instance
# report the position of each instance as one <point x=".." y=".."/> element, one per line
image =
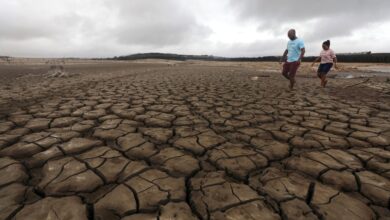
<point x="292" y="34"/>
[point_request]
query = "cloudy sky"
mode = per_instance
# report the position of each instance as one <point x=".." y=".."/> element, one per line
<point x="105" y="28"/>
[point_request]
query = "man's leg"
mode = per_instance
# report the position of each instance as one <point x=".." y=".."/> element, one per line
<point x="286" y="69"/>
<point x="292" y="82"/>
<point x="293" y="72"/>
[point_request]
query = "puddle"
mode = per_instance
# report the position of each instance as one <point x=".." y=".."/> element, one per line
<point x="344" y="76"/>
<point x="269" y="71"/>
<point x="254" y="78"/>
<point x="377" y="69"/>
<point x="353" y="75"/>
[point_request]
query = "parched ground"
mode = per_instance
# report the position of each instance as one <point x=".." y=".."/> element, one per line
<point x="191" y="140"/>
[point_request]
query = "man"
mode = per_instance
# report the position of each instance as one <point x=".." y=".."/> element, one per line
<point x="294" y="53"/>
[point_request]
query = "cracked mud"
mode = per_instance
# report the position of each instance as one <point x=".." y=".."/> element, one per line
<point x="156" y="141"/>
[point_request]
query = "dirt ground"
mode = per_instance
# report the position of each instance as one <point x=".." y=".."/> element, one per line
<point x="159" y="139"/>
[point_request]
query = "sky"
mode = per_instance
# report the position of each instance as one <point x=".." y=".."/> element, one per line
<point x="230" y="28"/>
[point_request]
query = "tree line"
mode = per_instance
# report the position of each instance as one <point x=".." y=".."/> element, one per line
<point x="348" y="58"/>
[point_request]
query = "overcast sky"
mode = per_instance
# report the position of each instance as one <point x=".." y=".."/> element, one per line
<point x="105" y="28"/>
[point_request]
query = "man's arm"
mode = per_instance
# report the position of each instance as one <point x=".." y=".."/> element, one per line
<point x="303" y="51"/>
<point x="284" y="57"/>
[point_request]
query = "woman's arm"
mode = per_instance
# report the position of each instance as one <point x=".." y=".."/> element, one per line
<point x="335" y="62"/>
<point x="334" y="59"/>
<point x="316" y="60"/>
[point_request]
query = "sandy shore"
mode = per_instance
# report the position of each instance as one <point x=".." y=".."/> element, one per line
<point x="192" y="140"/>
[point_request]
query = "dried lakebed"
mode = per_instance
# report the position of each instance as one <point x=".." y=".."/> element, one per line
<point x="192" y="142"/>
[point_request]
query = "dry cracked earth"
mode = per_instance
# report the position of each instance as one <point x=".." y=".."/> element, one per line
<point x="154" y="141"/>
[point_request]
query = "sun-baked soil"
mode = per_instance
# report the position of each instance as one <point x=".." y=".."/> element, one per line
<point x="191" y="140"/>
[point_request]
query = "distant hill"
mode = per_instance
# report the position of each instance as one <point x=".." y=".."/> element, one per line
<point x="364" y="57"/>
<point x="356" y="53"/>
<point x="166" y="56"/>
<point x="181" y="57"/>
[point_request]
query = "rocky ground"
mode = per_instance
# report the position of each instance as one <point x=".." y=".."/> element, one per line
<point x="191" y="141"/>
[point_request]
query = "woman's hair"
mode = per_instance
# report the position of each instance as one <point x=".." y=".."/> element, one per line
<point x="327" y="43"/>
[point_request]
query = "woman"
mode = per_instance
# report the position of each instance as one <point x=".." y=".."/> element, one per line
<point x="328" y="58"/>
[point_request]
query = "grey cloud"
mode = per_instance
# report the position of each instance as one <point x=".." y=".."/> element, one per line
<point x="253" y="49"/>
<point x="137" y="24"/>
<point x="19" y="27"/>
<point x="30" y="25"/>
<point x="158" y="23"/>
<point x="281" y="10"/>
<point x="102" y="28"/>
<point x="161" y="32"/>
<point x="329" y="18"/>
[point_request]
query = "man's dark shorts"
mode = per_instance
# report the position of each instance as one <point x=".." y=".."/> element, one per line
<point x="324" y="68"/>
<point x="290" y="69"/>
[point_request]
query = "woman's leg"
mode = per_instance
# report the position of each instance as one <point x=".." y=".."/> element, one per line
<point x="325" y="81"/>
<point x="320" y="72"/>
<point x="326" y="71"/>
<point x="322" y="79"/>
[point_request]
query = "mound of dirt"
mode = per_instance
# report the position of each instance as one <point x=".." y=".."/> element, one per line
<point x="57" y="71"/>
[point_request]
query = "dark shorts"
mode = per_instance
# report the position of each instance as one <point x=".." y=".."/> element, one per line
<point x="324" y="68"/>
<point x="290" y="69"/>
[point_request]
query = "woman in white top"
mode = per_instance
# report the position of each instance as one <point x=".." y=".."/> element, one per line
<point x="328" y="58"/>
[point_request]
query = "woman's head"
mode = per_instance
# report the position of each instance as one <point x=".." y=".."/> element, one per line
<point x="326" y="45"/>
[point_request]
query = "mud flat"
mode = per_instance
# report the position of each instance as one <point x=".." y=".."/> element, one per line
<point x="191" y="140"/>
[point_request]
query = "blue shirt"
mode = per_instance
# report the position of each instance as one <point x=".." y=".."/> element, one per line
<point x="294" y="50"/>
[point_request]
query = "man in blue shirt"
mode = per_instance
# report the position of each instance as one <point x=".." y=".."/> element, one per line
<point x="293" y="56"/>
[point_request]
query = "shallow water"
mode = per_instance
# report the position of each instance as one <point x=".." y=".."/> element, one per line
<point x="352" y="75"/>
<point x="379" y="69"/>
